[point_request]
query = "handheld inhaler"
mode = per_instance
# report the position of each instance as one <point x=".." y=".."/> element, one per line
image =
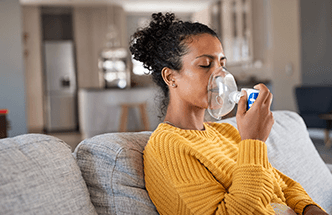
<point x="223" y="93"/>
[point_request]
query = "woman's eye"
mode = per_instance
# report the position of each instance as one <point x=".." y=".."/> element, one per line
<point x="205" y="66"/>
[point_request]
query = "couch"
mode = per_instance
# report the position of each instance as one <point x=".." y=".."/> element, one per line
<point x="39" y="174"/>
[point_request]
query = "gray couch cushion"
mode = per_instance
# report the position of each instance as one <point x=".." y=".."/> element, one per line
<point x="291" y="151"/>
<point x="39" y="175"/>
<point x="112" y="166"/>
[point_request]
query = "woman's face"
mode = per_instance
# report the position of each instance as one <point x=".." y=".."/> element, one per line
<point x="205" y="55"/>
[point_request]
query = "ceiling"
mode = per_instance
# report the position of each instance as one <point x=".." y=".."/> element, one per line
<point x="176" y="6"/>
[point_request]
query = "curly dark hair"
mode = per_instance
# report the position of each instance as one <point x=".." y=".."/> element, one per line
<point x="162" y="44"/>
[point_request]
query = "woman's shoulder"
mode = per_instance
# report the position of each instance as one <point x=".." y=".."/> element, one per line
<point x="225" y="129"/>
<point x="162" y="141"/>
<point x="164" y="128"/>
<point x="164" y="132"/>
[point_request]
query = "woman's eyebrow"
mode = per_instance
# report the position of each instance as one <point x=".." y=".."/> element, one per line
<point x="205" y="55"/>
<point x="211" y="56"/>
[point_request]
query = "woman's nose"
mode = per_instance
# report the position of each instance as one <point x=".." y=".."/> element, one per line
<point x="220" y="71"/>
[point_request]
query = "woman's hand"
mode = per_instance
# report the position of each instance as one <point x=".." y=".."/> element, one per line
<point x="256" y="123"/>
<point x="313" y="210"/>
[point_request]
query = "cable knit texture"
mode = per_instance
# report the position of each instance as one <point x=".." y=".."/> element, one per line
<point x="214" y="172"/>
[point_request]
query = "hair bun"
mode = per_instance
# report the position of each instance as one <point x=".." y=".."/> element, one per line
<point x="162" y="22"/>
<point x="145" y="43"/>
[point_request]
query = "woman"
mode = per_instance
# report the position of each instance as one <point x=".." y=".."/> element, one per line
<point x="192" y="167"/>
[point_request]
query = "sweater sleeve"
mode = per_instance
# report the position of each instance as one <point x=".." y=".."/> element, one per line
<point x="296" y="197"/>
<point x="252" y="186"/>
<point x="181" y="181"/>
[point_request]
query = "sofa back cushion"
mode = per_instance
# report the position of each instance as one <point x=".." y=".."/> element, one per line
<point x="39" y="175"/>
<point x="112" y="166"/>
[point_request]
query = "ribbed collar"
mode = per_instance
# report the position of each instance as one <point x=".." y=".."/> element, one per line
<point x="206" y="133"/>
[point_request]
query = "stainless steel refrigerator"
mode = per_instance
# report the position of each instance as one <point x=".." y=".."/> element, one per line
<point x="60" y="103"/>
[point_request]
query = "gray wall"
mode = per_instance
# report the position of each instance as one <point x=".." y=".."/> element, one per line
<point x="12" y="94"/>
<point x="316" y="32"/>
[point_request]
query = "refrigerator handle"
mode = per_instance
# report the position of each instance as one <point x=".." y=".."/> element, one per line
<point x="65" y="81"/>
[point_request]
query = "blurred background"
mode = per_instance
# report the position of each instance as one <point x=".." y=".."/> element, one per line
<point x="65" y="67"/>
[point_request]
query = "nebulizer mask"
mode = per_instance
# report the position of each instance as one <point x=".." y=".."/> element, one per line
<point x="223" y="93"/>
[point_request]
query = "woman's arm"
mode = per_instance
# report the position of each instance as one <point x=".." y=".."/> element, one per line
<point x="296" y="197"/>
<point x="252" y="184"/>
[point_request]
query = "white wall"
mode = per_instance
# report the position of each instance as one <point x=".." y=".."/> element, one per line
<point x="202" y="16"/>
<point x="33" y="68"/>
<point x="286" y="57"/>
<point x="12" y="94"/>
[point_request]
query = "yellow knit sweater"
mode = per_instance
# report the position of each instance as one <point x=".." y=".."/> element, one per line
<point x="214" y="172"/>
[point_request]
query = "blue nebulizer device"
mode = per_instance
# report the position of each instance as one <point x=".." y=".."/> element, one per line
<point x="223" y="93"/>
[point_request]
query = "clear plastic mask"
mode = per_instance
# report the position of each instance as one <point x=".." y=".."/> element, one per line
<point x="223" y="93"/>
<point x="220" y="87"/>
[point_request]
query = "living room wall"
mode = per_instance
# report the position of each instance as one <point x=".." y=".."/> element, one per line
<point x="12" y="94"/>
<point x="316" y="31"/>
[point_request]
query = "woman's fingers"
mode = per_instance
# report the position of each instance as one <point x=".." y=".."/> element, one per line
<point x="242" y="104"/>
<point x="269" y="99"/>
<point x="264" y="93"/>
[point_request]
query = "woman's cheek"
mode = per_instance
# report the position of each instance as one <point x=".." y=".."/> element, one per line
<point x="205" y="101"/>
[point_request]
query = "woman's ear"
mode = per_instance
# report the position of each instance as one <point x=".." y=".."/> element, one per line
<point x="168" y="76"/>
